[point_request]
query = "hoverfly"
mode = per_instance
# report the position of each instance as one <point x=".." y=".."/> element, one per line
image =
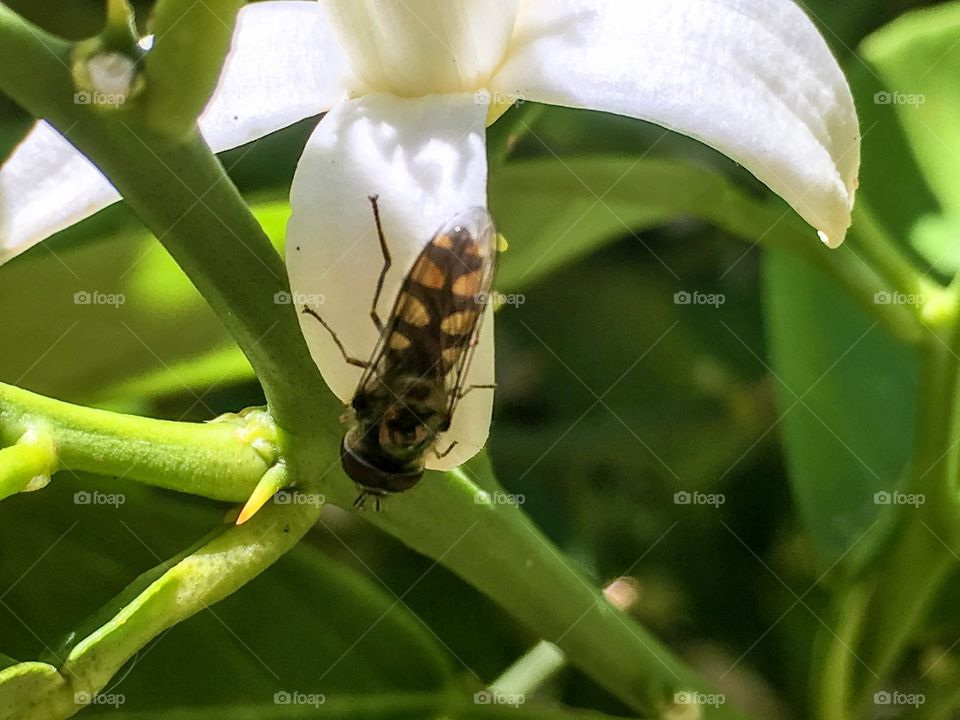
<point x="415" y="376"/>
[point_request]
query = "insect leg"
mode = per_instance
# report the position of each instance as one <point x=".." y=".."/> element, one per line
<point x="362" y="499"/>
<point x="476" y="387"/>
<point x="307" y="310"/>
<point x="441" y="455"/>
<point x="378" y="323"/>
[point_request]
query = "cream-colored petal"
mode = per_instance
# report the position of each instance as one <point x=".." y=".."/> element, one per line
<point x="420" y="47"/>
<point x="752" y="78"/>
<point x="426" y="161"/>
<point x="46" y="185"/>
<point x="284" y="65"/>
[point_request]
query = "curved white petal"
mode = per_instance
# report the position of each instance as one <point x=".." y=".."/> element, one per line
<point x="420" y="47"/>
<point x="426" y="160"/>
<point x="284" y="65"/>
<point x="751" y="78"/>
<point x="46" y="185"/>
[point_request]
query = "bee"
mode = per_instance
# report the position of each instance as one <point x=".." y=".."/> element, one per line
<point x="414" y="379"/>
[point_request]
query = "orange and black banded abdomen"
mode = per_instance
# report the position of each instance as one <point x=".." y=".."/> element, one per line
<point x="440" y="302"/>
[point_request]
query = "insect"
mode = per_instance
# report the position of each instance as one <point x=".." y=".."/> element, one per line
<point x="414" y="379"/>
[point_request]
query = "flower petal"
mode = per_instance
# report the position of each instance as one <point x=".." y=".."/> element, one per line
<point x="420" y="47"/>
<point x="284" y="65"/>
<point x="426" y="160"/>
<point x="751" y="78"/>
<point x="45" y="186"/>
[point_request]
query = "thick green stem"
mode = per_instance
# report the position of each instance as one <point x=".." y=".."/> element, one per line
<point x="496" y="548"/>
<point x="921" y="552"/>
<point x="157" y="600"/>
<point x="221" y="460"/>
<point x="182" y="194"/>
<point x="191" y="41"/>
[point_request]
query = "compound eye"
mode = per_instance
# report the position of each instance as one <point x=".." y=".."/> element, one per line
<point x="359" y="402"/>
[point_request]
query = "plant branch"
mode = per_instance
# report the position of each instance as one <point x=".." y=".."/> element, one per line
<point x="498" y="550"/>
<point x="182" y="194"/>
<point x="922" y="552"/>
<point x="222" y="460"/>
<point x="157" y="600"/>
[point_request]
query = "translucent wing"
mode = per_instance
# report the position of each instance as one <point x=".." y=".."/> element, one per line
<point x="432" y="330"/>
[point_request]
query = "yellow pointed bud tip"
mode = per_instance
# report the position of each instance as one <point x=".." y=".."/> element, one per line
<point x="258" y="498"/>
<point x="272" y="480"/>
<point x="250" y="509"/>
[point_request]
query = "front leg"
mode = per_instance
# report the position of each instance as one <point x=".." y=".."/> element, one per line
<point x="307" y="310"/>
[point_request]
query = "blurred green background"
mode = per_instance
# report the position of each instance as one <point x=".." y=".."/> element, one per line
<point x="612" y="398"/>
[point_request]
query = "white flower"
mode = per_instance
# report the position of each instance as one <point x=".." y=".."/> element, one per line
<point x="407" y="85"/>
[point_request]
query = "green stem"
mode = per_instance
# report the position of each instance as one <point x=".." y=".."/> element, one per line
<point x="191" y="40"/>
<point x="157" y="600"/>
<point x="834" y="671"/>
<point x="883" y="255"/>
<point x="497" y="549"/>
<point x="540" y="663"/>
<point x="921" y="555"/>
<point x="182" y="194"/>
<point x="220" y="460"/>
<point x="28" y="464"/>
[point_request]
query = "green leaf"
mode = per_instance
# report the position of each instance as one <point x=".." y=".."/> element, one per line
<point x="157" y="336"/>
<point x="909" y="106"/>
<point x="846" y="393"/>
<point x="562" y="211"/>
<point x="918" y="59"/>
